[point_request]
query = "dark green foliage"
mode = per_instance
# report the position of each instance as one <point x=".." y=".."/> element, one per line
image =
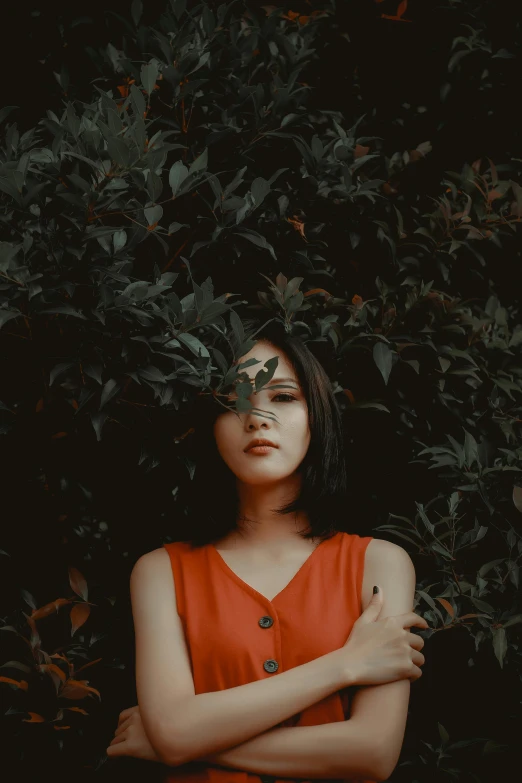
<point x="216" y="168"/>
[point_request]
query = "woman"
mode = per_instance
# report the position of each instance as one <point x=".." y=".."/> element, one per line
<point x="254" y="638"/>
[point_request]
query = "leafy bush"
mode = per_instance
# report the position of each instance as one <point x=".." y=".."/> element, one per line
<point x="203" y="185"/>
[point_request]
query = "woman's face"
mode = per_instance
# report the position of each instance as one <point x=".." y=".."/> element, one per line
<point x="285" y="423"/>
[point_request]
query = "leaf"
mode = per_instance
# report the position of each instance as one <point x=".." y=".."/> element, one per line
<point x="18" y="683"/>
<point x="200" y="163"/>
<point x="28" y="598"/>
<point x="153" y="214"/>
<point x="259" y="189"/>
<point x="77" y="689"/>
<point x="377" y="405"/>
<point x="65" y="310"/>
<point x="98" y="420"/>
<point x="447" y="606"/>
<point x="149" y="74"/>
<point x="136" y="11"/>
<point x="257" y="239"/>
<point x="193" y="344"/>
<point x="50" y="608"/>
<point x="7" y="315"/>
<point x="110" y="389"/>
<point x="514" y="620"/>
<point x="79" y="614"/>
<point x="383" y="358"/>
<point x="119" y="152"/>
<point x="78" y="583"/>
<point x="119" y="239"/>
<point x="86" y="666"/>
<point x="15" y="664"/>
<point x="499" y="644"/>
<point x="178" y="173"/>
<point x="442" y="731"/>
<point x="35" y="718"/>
<point x="52" y="668"/>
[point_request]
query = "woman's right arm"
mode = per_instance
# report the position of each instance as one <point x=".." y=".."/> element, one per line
<point x="183" y="726"/>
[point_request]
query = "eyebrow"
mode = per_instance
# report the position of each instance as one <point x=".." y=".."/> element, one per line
<point x="281" y="380"/>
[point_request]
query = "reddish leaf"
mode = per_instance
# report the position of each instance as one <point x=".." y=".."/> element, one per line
<point x="86" y="665"/>
<point x="35" y="718"/>
<point x="447" y="606"/>
<point x="35" y="636"/>
<point x="67" y="661"/>
<point x="77" y="689"/>
<point x="53" y="668"/>
<point x="401" y="10"/>
<point x="48" y="609"/>
<point x="360" y="151"/>
<point x="79" y="614"/>
<point x="19" y="684"/>
<point x="78" y="583"/>
<point x="317" y="291"/>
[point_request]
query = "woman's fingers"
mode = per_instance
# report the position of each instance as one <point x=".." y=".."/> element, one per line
<point x="418" y="658"/>
<point x="117" y="740"/>
<point x="416" y="641"/>
<point x="122" y="727"/>
<point x="126" y="713"/>
<point x="116" y="749"/>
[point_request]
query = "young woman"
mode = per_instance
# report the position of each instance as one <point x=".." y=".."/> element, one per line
<point x="263" y="651"/>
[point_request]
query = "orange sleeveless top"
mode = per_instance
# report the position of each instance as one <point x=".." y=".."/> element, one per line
<point x="235" y="635"/>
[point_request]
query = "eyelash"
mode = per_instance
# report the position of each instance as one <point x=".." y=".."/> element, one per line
<point x="289" y="396"/>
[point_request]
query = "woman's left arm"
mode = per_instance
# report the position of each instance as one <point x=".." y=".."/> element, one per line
<point x="330" y="750"/>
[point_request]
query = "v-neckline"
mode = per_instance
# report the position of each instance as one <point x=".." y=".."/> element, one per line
<point x="241" y="582"/>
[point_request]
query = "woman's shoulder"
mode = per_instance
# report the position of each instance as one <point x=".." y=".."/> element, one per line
<point x="162" y="553"/>
<point x="165" y="556"/>
<point x="380" y="550"/>
<point x="154" y="562"/>
<point x="384" y="557"/>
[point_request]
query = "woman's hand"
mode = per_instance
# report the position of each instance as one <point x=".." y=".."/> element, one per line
<point x="380" y="651"/>
<point x="130" y="738"/>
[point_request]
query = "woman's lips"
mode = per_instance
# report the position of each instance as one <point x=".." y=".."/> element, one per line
<point x="260" y="449"/>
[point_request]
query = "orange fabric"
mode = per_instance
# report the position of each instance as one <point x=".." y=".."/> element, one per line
<point x="312" y="615"/>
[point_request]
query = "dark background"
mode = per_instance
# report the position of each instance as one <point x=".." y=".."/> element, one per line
<point x="395" y="72"/>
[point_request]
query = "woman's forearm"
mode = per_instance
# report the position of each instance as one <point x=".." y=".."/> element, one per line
<point x="212" y="722"/>
<point x="330" y="750"/>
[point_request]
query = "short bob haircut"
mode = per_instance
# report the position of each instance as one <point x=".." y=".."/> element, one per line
<point x="212" y="505"/>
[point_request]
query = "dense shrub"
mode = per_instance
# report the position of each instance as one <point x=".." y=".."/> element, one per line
<point x="206" y="177"/>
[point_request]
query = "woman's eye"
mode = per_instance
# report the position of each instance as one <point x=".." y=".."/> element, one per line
<point x="288" y="397"/>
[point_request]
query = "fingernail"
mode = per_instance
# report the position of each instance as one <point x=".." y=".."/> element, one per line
<point x="375" y="589"/>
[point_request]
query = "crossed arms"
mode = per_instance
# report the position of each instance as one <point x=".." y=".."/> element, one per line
<point x="365" y="746"/>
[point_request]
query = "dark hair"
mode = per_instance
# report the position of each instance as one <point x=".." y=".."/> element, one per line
<point x="212" y="504"/>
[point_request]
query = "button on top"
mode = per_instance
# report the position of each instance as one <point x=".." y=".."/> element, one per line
<point x="266" y="621"/>
<point x="270" y="665"/>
